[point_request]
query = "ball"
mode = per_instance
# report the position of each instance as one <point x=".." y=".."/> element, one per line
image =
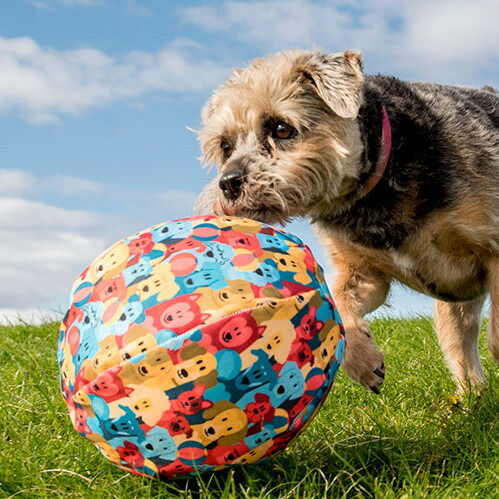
<point x="198" y="344"/>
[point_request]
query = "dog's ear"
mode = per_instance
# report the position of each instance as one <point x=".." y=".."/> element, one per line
<point x="337" y="78"/>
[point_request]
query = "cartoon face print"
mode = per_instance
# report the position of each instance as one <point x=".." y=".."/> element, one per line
<point x="187" y="244"/>
<point x="330" y="336"/>
<point x="123" y="426"/>
<point x="309" y="325"/>
<point x="254" y="454"/>
<point x="260" y="410"/>
<point x="138" y="346"/>
<point x="257" y="374"/>
<point x="237" y="333"/>
<point x="171" y="231"/>
<point x="294" y="262"/>
<point x="191" y="401"/>
<point x="179" y="426"/>
<point x="130" y="454"/>
<point x="260" y="438"/>
<point x="110" y="288"/>
<point x="159" y="443"/>
<point x="198" y="363"/>
<point x="80" y="420"/>
<point x="272" y="242"/>
<point x="160" y="284"/>
<point x="179" y="314"/>
<point x="226" y="454"/>
<point x="152" y="371"/>
<point x="142" y="244"/>
<point x="301" y="353"/>
<point x="108" y="355"/>
<point x="223" y="420"/>
<point x="290" y="384"/>
<point x="136" y="272"/>
<point x="209" y="276"/>
<point x="108" y="386"/>
<point x="216" y="253"/>
<point x="114" y="259"/>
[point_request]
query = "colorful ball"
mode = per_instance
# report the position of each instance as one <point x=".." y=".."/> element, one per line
<point x="198" y="344"/>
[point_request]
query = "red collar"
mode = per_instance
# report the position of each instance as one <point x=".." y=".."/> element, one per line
<point x="386" y="146"/>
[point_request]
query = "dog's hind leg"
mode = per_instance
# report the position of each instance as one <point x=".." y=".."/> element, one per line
<point x="458" y="329"/>
<point x="494" y="308"/>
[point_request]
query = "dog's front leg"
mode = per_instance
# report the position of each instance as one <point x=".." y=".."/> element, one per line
<point x="359" y="289"/>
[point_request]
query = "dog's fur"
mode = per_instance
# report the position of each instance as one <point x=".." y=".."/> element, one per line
<point x="432" y="220"/>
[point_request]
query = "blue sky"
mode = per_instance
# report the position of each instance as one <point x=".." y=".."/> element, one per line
<point x="96" y="97"/>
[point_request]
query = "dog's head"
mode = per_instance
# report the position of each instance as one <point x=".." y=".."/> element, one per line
<point x="283" y="135"/>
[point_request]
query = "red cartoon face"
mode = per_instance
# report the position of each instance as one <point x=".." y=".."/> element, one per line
<point x="179" y="314"/>
<point x="109" y="386"/>
<point x="111" y="288"/>
<point x="309" y="326"/>
<point x="235" y="333"/>
<point x="130" y="454"/>
<point x="300" y="406"/>
<point x="226" y="454"/>
<point x="188" y="243"/>
<point x="301" y="353"/>
<point x="142" y="244"/>
<point x="80" y="423"/>
<point x="191" y="402"/>
<point x="179" y="425"/>
<point x="260" y="410"/>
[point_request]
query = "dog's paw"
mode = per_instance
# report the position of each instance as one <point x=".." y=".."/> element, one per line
<point x="362" y="361"/>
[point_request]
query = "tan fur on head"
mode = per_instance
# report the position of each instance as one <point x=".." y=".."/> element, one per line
<point x="319" y="96"/>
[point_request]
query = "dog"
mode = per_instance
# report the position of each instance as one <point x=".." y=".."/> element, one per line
<point x="399" y="179"/>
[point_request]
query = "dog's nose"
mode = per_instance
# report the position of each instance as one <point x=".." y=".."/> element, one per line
<point x="231" y="183"/>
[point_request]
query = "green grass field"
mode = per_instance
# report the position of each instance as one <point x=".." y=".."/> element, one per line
<point x="407" y="442"/>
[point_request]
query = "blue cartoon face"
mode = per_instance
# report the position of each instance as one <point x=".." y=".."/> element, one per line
<point x="260" y="438"/>
<point x="290" y="384"/>
<point x="159" y="444"/>
<point x="171" y="231"/>
<point x="216" y="253"/>
<point x="123" y="426"/>
<point x="272" y="242"/>
<point x="257" y="374"/>
<point x="208" y="277"/>
<point x="138" y="271"/>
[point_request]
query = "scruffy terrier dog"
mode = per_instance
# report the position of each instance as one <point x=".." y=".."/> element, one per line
<point x="401" y="181"/>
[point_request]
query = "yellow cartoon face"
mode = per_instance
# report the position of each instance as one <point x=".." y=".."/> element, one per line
<point x="294" y="262"/>
<point x="225" y="422"/>
<point x="199" y="363"/>
<point x="329" y="341"/>
<point x="161" y="284"/>
<point x="255" y="454"/>
<point x="157" y="364"/>
<point x="107" y="356"/>
<point x="140" y="345"/>
<point x="114" y="258"/>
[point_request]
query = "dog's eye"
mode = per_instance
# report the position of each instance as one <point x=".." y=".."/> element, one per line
<point x="226" y="148"/>
<point x="283" y="131"/>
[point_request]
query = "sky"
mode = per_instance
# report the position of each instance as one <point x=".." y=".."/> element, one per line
<point x="98" y="99"/>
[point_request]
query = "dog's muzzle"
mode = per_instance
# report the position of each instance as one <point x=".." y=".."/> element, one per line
<point x="231" y="184"/>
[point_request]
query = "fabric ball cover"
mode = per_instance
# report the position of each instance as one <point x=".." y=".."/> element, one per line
<point x="198" y="344"/>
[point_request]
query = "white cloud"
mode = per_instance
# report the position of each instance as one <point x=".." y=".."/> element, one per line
<point x="44" y="83"/>
<point x="44" y="246"/>
<point x="448" y="39"/>
<point x="72" y="186"/>
<point x="14" y="182"/>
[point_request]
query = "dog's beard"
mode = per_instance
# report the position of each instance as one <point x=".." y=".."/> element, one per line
<point x="265" y="197"/>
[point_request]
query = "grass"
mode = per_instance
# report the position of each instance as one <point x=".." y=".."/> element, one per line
<point x="407" y="442"/>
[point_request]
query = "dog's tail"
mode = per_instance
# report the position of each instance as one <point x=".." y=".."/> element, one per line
<point x="494" y="309"/>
